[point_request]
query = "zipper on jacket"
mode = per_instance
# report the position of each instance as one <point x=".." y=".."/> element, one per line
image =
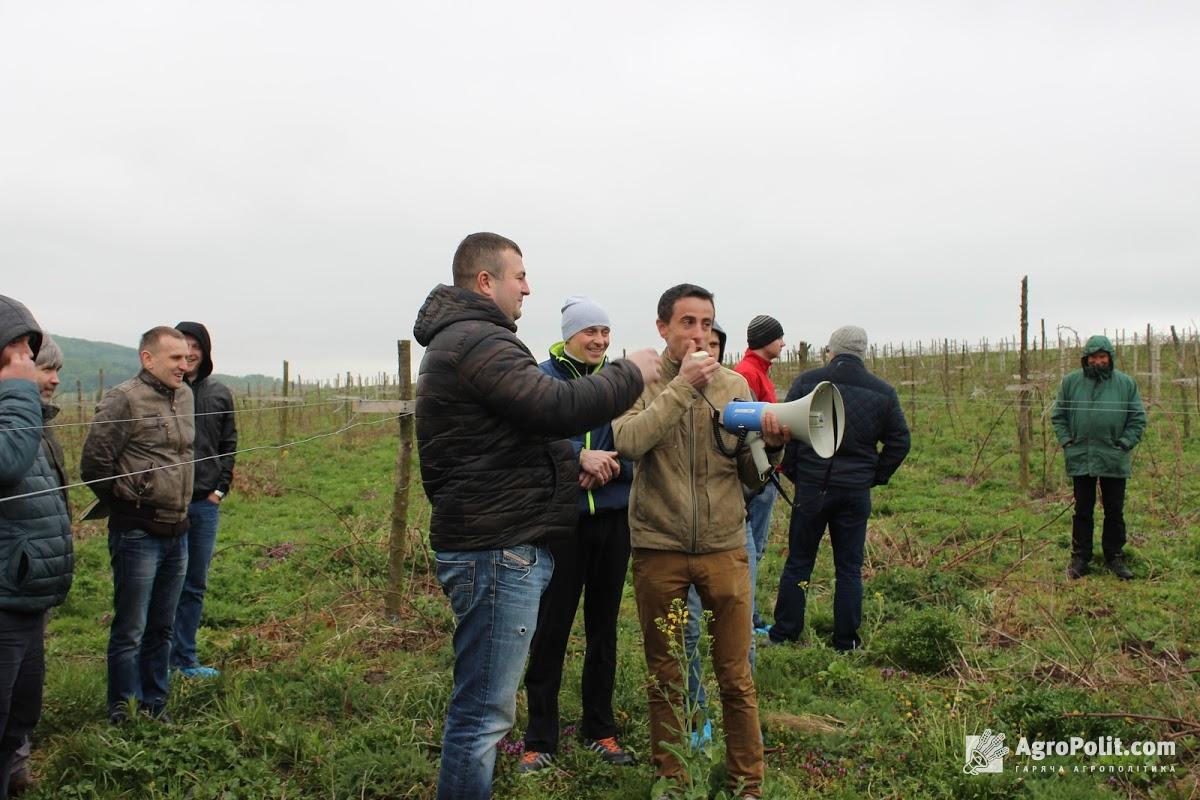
<point x="587" y="445"/>
<point x="692" y="475"/>
<point x="179" y="432"/>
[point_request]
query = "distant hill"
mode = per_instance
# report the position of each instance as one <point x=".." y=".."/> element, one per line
<point x="83" y="359"/>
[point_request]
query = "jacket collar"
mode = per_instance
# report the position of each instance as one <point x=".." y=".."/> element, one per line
<point x="569" y="365"/>
<point x="154" y="383"/>
<point x="670" y="367"/>
<point x="758" y="361"/>
<point x="847" y="358"/>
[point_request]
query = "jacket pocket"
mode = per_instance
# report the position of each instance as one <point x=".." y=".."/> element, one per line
<point x="18" y="563"/>
<point x="516" y="563"/>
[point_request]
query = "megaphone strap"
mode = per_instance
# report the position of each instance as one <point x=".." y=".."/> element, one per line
<point x="796" y="505"/>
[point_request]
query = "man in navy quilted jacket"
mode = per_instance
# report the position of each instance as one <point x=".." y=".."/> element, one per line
<point x="36" y="556"/>
<point x="836" y="493"/>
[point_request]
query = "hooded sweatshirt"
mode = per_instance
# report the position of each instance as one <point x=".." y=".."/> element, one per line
<point x="1098" y="417"/>
<point x="492" y="427"/>
<point x="36" y="554"/>
<point x="216" y="424"/>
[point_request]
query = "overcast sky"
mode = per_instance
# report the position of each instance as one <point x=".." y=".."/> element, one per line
<point x="297" y="175"/>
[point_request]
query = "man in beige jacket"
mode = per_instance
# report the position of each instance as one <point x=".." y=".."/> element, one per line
<point x="687" y="524"/>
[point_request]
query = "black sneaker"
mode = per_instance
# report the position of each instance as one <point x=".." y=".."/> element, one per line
<point x="1078" y="567"/>
<point x="21" y="782"/>
<point x="610" y="751"/>
<point x="1116" y="565"/>
<point x="158" y="714"/>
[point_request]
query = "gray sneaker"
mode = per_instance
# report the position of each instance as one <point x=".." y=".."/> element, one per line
<point x="610" y="751"/>
<point x="532" y="761"/>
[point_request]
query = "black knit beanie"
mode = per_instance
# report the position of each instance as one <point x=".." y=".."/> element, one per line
<point x="763" y="330"/>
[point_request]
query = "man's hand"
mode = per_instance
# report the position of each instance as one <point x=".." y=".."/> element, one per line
<point x="214" y="498"/>
<point x="698" y="368"/>
<point x="16" y="362"/>
<point x="601" y="465"/>
<point x="774" y="434"/>
<point x="648" y="362"/>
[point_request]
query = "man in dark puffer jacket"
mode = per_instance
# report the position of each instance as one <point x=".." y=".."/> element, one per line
<point x="36" y="557"/>
<point x="837" y="493"/>
<point x="501" y="479"/>
<point x="49" y="361"/>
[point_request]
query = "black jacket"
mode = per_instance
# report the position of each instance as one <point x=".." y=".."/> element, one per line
<point x="873" y="415"/>
<point x="492" y="427"/>
<point x="216" y="425"/>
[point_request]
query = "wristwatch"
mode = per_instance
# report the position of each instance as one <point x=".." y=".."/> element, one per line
<point x="220" y="495"/>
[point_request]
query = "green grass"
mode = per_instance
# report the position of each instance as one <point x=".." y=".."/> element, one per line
<point x="969" y="623"/>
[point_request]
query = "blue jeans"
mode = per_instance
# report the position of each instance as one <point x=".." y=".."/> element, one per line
<point x="494" y="595"/>
<point x="148" y="573"/>
<point x="758" y="525"/>
<point x="201" y="539"/>
<point x="845" y="513"/>
<point x="691" y="632"/>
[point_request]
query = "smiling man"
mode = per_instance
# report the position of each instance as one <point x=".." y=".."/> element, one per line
<point x="214" y="446"/>
<point x="137" y="456"/>
<point x="687" y="525"/>
<point x="593" y="563"/>
<point x="502" y="481"/>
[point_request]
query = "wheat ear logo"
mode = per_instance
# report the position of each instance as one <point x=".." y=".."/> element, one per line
<point x="985" y="753"/>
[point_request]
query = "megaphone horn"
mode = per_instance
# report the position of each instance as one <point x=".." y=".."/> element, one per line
<point x="818" y="419"/>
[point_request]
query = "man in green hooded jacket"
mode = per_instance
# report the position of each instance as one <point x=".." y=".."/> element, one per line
<point x="1098" y="419"/>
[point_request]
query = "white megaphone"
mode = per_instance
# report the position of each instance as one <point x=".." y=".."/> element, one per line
<point x="817" y="419"/>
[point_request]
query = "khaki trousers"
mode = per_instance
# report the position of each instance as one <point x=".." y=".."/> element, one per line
<point x="723" y="582"/>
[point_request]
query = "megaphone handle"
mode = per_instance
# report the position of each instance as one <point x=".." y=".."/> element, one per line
<point x="758" y="449"/>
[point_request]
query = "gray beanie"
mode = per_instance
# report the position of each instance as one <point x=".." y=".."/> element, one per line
<point x="763" y="330"/>
<point x="579" y="313"/>
<point x="848" y="339"/>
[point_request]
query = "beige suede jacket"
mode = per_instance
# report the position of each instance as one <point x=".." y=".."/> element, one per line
<point x="686" y="494"/>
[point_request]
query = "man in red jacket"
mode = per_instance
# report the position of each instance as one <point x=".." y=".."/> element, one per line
<point x="764" y="343"/>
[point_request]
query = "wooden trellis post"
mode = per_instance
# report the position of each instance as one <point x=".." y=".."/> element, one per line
<point x="283" y="411"/>
<point x="398" y="538"/>
<point x="1025" y="413"/>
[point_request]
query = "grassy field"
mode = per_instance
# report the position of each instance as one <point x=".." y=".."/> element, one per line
<point x="970" y="624"/>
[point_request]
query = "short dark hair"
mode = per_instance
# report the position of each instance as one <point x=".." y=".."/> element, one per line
<point x="152" y="337"/>
<point x="480" y="252"/>
<point x="666" y="303"/>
